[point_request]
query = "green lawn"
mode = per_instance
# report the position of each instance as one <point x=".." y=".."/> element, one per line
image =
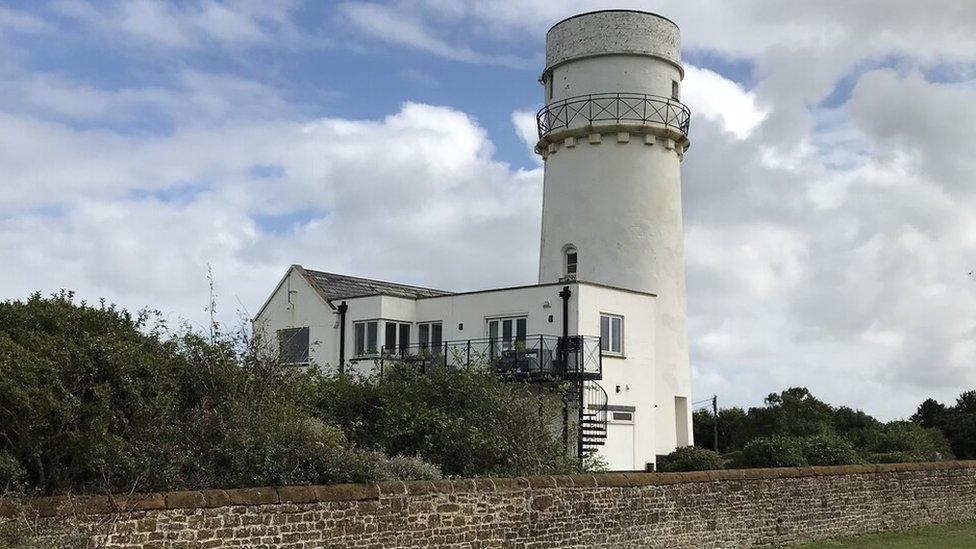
<point x="941" y="536"/>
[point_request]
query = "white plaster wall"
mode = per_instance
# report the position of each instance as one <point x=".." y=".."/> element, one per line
<point x="473" y="309"/>
<point x="304" y="308"/>
<point x="614" y="74"/>
<point x="634" y="373"/>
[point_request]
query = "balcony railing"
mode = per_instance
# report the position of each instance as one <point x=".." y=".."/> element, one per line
<point x="613" y="107"/>
<point x="535" y="357"/>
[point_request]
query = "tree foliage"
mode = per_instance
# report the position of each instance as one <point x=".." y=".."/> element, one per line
<point x="797" y="428"/>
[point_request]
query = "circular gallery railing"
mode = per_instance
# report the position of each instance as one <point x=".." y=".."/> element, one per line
<point x="613" y="107"/>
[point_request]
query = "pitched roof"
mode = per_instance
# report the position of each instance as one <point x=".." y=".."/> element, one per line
<point x="336" y="286"/>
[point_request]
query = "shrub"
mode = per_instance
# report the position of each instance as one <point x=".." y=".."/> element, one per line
<point x="94" y="399"/>
<point x="405" y="468"/>
<point x="692" y="458"/>
<point x="774" y="451"/>
<point x="11" y="473"/>
<point x="891" y="457"/>
<point x="828" y="450"/>
<point x="906" y="437"/>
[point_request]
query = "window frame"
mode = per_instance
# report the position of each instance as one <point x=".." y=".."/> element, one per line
<point x="360" y="341"/>
<point x="621" y="331"/>
<point x="308" y="345"/>
<point x="513" y="330"/>
<point x="399" y="326"/>
<point x="425" y="342"/>
<point x="675" y="90"/>
<point x="568" y="251"/>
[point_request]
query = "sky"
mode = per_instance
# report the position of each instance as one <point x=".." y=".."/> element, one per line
<point x="829" y="194"/>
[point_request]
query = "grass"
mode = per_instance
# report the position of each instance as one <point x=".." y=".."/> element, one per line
<point x="960" y="535"/>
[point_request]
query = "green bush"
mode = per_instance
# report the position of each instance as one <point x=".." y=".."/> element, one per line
<point x="906" y="437"/>
<point x="828" y="450"/>
<point x="11" y="473"/>
<point x="404" y="468"/>
<point x="94" y="399"/>
<point x="891" y="457"/>
<point x="774" y="451"/>
<point x="692" y="458"/>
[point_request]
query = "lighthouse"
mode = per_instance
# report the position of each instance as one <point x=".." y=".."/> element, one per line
<point x="613" y="134"/>
<point x="605" y="325"/>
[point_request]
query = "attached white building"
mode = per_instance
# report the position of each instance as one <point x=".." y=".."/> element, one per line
<point x="608" y="311"/>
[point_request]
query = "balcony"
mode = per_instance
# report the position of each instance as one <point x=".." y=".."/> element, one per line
<point x="534" y="358"/>
<point x="615" y="108"/>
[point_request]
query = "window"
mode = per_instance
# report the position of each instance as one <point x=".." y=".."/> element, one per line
<point x="397" y="337"/>
<point x="623" y="416"/>
<point x="502" y="330"/>
<point x="293" y="345"/>
<point x="366" y="338"/>
<point x="612" y="334"/>
<point x="549" y="88"/>
<point x="429" y="335"/>
<point x="571" y="258"/>
<point x="674" y="90"/>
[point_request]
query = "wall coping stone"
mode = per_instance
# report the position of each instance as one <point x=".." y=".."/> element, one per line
<point x="270" y="495"/>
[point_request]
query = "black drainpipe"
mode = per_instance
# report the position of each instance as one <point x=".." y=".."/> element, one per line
<point x="564" y="359"/>
<point x="342" y="336"/>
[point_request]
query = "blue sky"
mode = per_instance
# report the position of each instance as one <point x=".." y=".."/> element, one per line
<point x="827" y="195"/>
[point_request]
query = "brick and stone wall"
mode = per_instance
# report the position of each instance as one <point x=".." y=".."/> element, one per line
<point x="709" y="509"/>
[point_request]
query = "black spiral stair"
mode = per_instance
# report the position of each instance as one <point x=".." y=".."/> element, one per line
<point x="593" y="417"/>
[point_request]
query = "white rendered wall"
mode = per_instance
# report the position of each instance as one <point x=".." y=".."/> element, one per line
<point x="614" y="192"/>
<point x="304" y="308"/>
<point x="634" y="372"/>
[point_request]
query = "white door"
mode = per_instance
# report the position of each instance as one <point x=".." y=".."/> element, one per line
<point x="619" y="447"/>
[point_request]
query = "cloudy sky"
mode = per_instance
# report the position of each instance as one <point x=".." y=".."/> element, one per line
<point x="830" y="201"/>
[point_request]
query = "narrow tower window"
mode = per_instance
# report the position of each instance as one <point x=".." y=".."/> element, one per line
<point x="674" y="90"/>
<point x="571" y="258"/>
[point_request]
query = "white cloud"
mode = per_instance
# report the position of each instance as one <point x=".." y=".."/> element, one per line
<point x="402" y="28"/>
<point x="710" y="95"/>
<point x="190" y="25"/>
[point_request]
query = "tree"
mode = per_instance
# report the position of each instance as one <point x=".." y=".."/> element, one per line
<point x="930" y="414"/>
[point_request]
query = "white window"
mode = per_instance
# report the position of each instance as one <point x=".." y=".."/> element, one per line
<point x="293" y="345"/>
<point x="429" y="335"/>
<point x="397" y="337"/>
<point x="612" y="334"/>
<point x="504" y="332"/>
<point x="571" y="259"/>
<point x="366" y="336"/>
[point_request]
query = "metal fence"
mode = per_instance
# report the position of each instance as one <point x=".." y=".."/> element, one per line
<point x="613" y="107"/>
<point x="531" y="357"/>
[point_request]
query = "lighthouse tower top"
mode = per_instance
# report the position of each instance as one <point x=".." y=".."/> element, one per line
<point x="613" y="32"/>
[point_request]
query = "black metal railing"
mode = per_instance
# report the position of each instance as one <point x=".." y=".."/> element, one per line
<point x="592" y="417"/>
<point x="613" y="107"/>
<point x="530" y="357"/>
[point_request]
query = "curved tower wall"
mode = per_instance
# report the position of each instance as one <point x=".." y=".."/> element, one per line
<point x="612" y="138"/>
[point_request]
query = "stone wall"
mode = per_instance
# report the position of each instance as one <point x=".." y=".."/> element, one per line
<point x="708" y="509"/>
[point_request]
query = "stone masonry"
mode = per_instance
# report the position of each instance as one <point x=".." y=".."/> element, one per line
<point x="733" y="508"/>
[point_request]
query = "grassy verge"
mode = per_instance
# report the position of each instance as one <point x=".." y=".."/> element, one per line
<point x="960" y="535"/>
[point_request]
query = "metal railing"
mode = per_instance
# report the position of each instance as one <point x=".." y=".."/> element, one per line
<point x="613" y="107"/>
<point x="531" y="357"/>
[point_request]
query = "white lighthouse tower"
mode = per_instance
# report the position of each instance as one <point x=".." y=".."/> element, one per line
<point x="613" y="134"/>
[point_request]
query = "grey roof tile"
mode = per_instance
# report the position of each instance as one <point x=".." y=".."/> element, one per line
<point x="336" y="286"/>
